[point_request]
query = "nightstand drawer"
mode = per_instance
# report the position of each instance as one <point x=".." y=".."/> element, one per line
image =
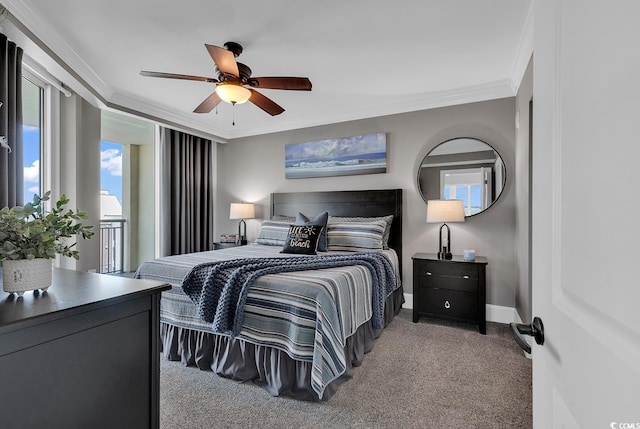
<point x="447" y="269"/>
<point x="464" y="284"/>
<point x="449" y="303"/>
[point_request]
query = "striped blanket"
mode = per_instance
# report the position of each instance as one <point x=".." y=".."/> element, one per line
<point x="307" y="314"/>
<point x="219" y="289"/>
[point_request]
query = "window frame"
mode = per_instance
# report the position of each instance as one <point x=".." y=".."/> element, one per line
<point x="49" y="134"/>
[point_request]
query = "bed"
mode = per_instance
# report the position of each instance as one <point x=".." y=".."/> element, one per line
<point x="301" y="333"/>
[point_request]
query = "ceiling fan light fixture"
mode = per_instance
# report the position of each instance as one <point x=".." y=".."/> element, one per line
<point x="233" y="93"/>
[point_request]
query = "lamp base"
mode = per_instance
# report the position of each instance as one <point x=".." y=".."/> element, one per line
<point x="242" y="237"/>
<point x="444" y="254"/>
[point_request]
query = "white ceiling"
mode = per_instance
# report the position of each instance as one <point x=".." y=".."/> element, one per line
<point x="365" y="58"/>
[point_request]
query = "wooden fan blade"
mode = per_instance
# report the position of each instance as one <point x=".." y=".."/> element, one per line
<point x="291" y="83"/>
<point x="265" y="103"/>
<point x="208" y="104"/>
<point x="178" y="76"/>
<point x="225" y="60"/>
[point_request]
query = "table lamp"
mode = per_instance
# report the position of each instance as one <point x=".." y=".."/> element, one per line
<point x="242" y="211"/>
<point x="445" y="211"/>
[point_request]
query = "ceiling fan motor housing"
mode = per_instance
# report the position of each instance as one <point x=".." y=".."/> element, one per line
<point x="243" y="70"/>
<point x="234" y="47"/>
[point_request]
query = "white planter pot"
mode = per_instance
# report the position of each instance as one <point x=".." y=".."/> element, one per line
<point x="26" y="274"/>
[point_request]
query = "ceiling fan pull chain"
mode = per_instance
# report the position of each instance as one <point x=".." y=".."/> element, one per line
<point x="233" y="113"/>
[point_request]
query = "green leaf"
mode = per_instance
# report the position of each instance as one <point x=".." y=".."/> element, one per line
<point x="32" y="232"/>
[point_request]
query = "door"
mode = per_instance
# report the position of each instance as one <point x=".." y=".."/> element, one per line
<point x="586" y="214"/>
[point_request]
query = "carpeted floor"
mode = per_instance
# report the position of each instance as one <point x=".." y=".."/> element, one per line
<point x="430" y="374"/>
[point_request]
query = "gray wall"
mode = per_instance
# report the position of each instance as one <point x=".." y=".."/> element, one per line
<point x="251" y="168"/>
<point x="523" y="192"/>
<point x="146" y="205"/>
<point x="80" y="172"/>
<point x="130" y="196"/>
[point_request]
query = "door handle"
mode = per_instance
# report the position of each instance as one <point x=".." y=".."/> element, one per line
<point x="535" y="329"/>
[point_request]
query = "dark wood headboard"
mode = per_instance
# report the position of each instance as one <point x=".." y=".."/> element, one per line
<point x="380" y="202"/>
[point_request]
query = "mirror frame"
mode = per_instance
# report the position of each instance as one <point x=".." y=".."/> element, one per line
<point x="504" y="171"/>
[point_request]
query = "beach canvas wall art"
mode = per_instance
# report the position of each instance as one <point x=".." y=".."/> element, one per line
<point x="364" y="154"/>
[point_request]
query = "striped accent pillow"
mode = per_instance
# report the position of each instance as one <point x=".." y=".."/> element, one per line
<point x="355" y="236"/>
<point x="388" y="219"/>
<point x="273" y="233"/>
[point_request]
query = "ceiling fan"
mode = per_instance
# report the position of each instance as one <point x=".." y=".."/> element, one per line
<point x="234" y="83"/>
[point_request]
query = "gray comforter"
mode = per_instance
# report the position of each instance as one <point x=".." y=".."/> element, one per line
<point x="219" y="289"/>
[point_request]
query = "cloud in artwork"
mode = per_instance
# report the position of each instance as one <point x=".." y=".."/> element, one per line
<point x="111" y="160"/>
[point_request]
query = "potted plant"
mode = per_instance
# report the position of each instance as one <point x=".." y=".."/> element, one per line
<point x="31" y="237"/>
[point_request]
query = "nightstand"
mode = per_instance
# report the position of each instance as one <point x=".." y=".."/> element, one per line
<point x="452" y="289"/>
<point x="217" y="246"/>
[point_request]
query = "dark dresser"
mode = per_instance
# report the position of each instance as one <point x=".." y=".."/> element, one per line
<point x="450" y="289"/>
<point x="84" y="354"/>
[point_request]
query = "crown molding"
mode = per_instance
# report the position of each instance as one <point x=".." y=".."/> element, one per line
<point x="470" y="94"/>
<point x="524" y="51"/>
<point x="56" y="48"/>
<point x="165" y="117"/>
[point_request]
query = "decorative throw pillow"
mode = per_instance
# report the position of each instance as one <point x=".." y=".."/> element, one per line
<point x="302" y="239"/>
<point x="356" y="236"/>
<point x="273" y="233"/>
<point x="321" y="220"/>
<point x="361" y="219"/>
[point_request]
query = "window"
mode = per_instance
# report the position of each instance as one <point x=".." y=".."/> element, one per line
<point x="471" y="185"/>
<point x="110" y="180"/>
<point x="127" y="193"/>
<point x="32" y="102"/>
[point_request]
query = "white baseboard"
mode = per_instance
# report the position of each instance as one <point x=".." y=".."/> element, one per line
<point x="495" y="313"/>
<point x="529" y="340"/>
<point x="501" y="314"/>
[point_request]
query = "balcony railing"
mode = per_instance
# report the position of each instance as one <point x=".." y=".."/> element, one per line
<point x="112" y="245"/>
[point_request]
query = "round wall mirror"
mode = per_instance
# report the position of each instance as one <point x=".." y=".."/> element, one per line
<point x="464" y="169"/>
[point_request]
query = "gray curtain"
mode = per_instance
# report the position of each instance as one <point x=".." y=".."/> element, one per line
<point x="11" y="160"/>
<point x="188" y="169"/>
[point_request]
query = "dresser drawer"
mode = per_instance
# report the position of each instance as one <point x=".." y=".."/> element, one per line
<point x="447" y="269"/>
<point x="448" y="303"/>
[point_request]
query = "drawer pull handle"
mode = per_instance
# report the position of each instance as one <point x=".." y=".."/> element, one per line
<point x="447" y="305"/>
<point x="428" y="273"/>
<point x="465" y="277"/>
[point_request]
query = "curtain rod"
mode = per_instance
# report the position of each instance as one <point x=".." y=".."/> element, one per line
<point x="42" y="73"/>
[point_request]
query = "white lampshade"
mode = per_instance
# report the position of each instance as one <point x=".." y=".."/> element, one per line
<point x="233" y="93"/>
<point x="439" y="211"/>
<point x="242" y="211"/>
